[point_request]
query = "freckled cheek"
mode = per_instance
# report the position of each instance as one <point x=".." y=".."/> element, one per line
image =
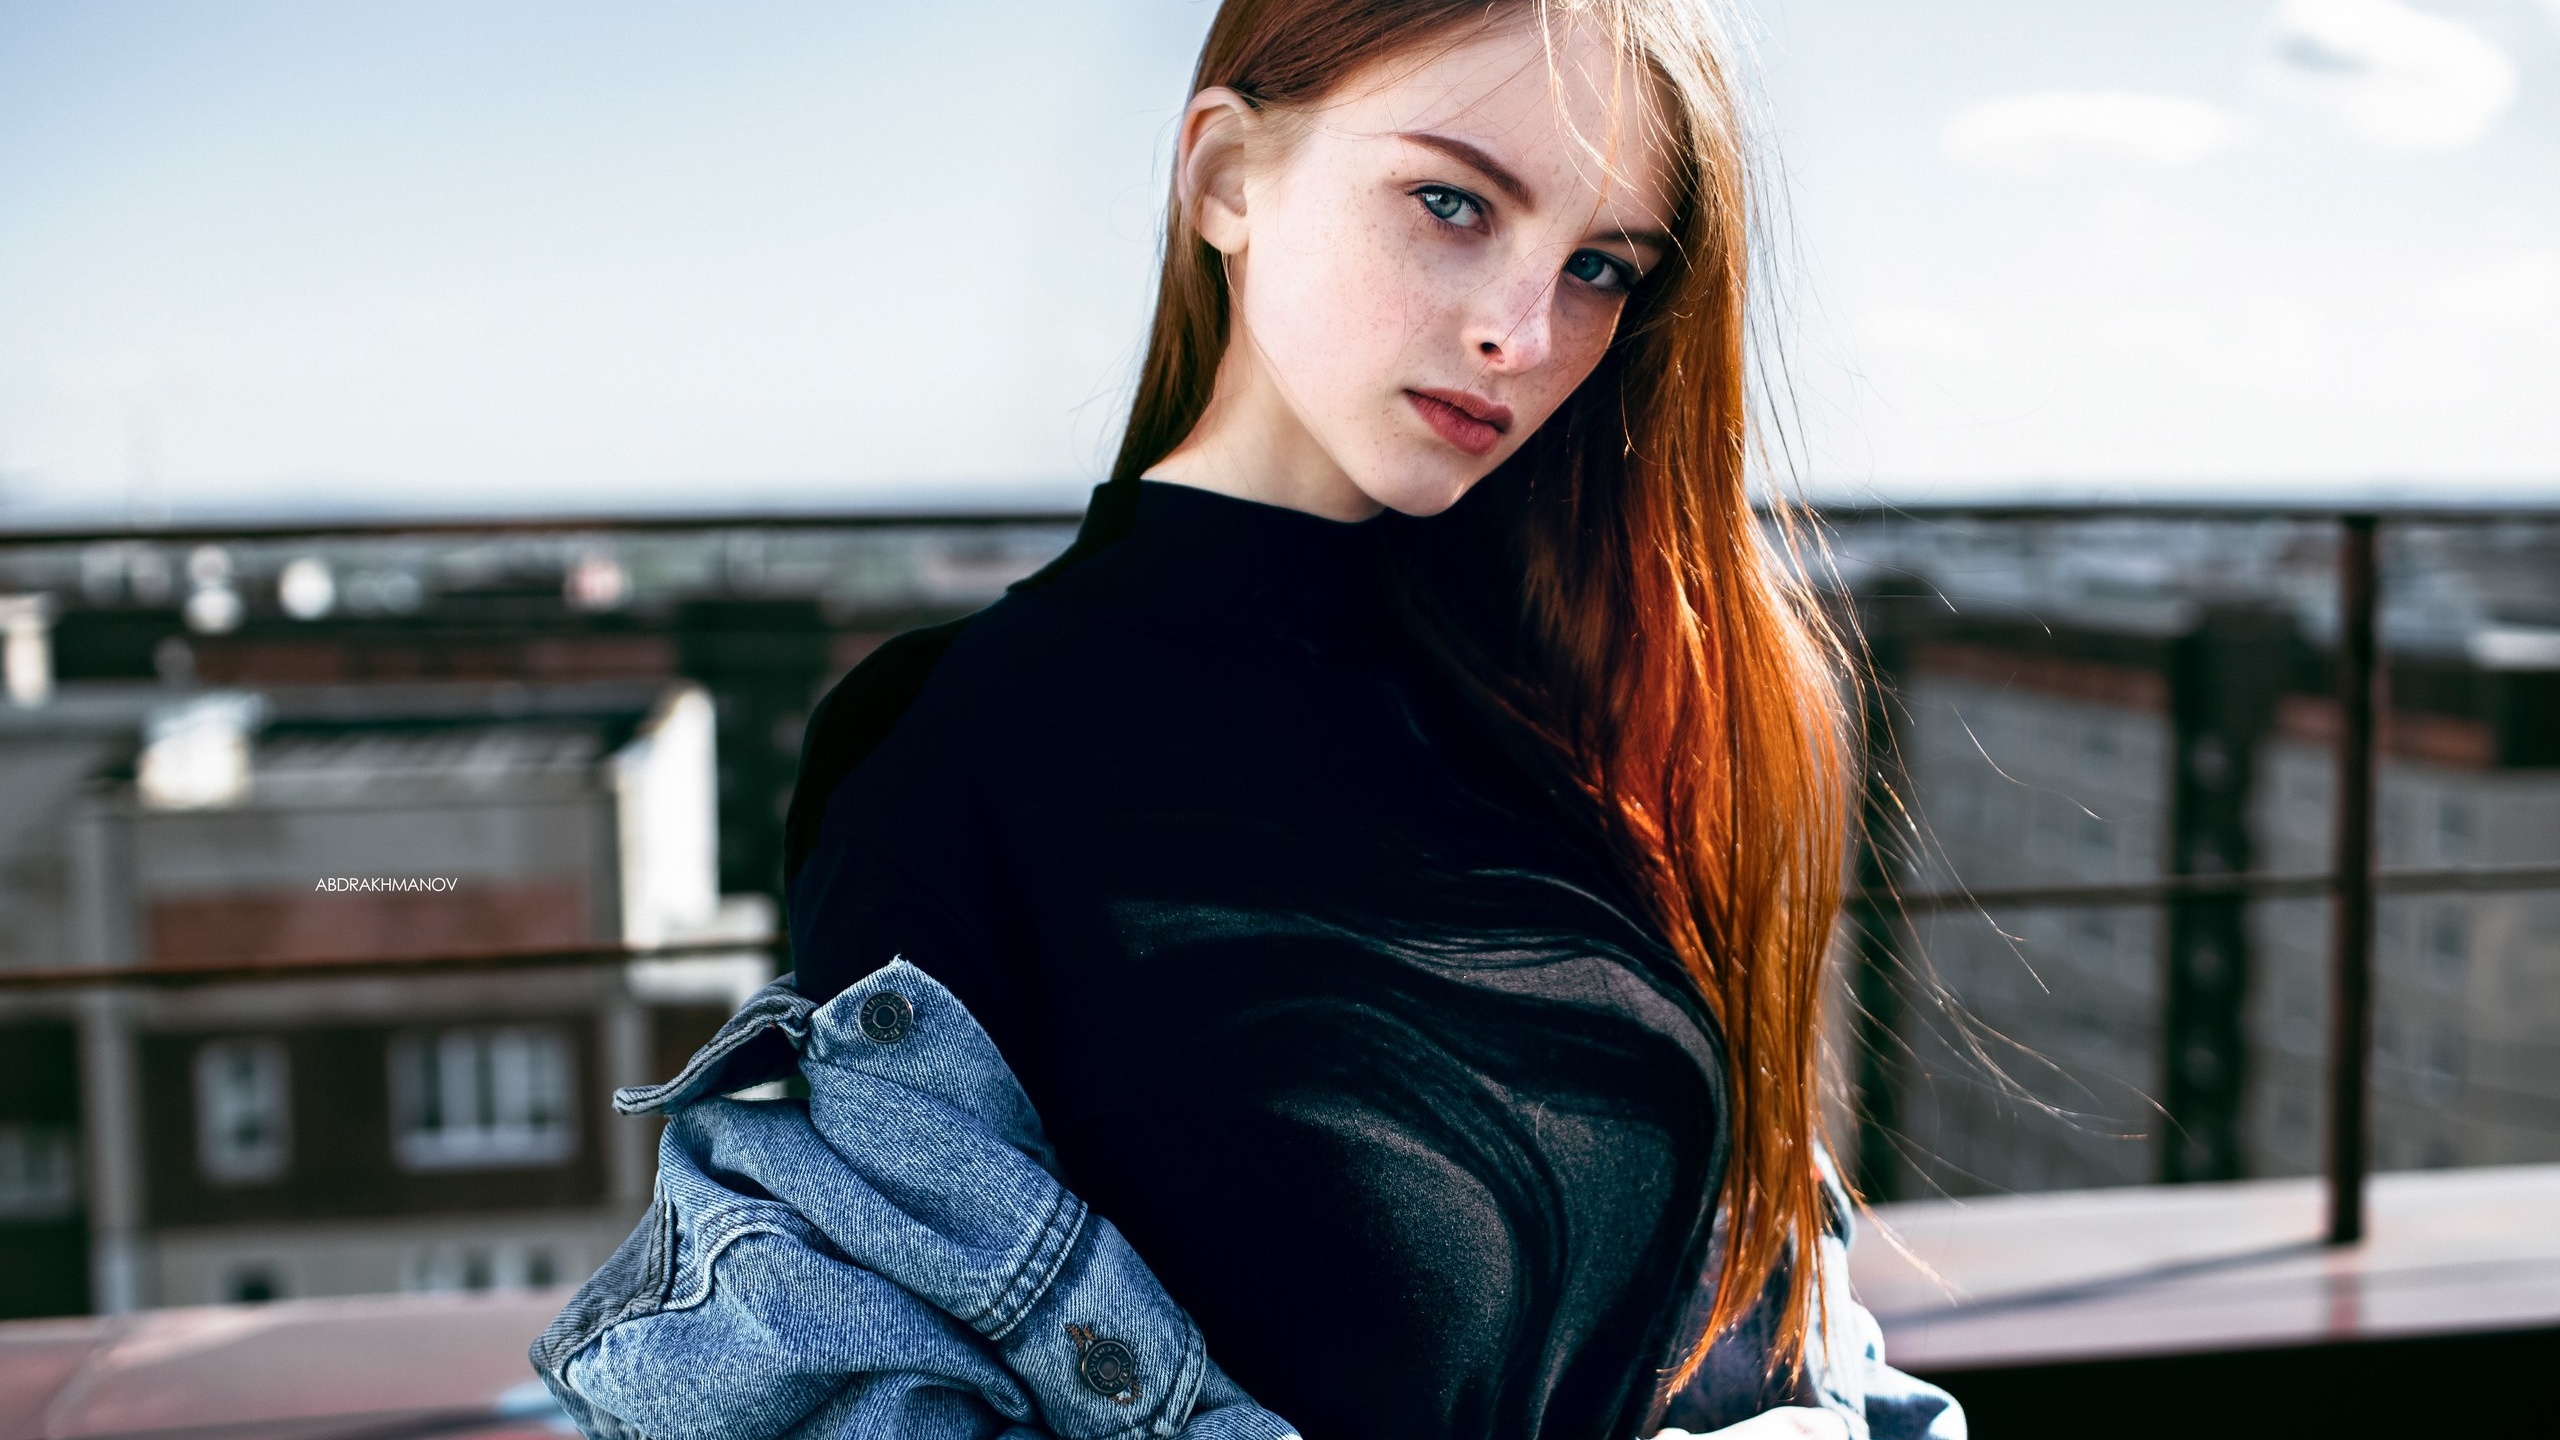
<point x="1341" y="310"/>
<point x="1581" y="342"/>
<point x="1583" y="332"/>
<point x="1579" y="347"/>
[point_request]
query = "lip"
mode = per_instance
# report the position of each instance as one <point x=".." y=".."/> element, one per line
<point x="1469" y="422"/>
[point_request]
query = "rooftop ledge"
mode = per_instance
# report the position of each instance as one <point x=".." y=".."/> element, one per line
<point x="2162" y="1271"/>
<point x="2074" y="1287"/>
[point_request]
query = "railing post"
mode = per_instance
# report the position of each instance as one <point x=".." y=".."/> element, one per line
<point x="2351" y="898"/>
<point x="2224" y="680"/>
<point x="1875" y="991"/>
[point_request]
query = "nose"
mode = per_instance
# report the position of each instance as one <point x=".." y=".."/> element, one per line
<point x="1512" y="327"/>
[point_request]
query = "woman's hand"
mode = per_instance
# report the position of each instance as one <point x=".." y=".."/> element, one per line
<point x="1792" y="1422"/>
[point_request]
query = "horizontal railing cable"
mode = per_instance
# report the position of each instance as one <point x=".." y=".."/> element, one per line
<point x="678" y="522"/>
<point x="2462" y="879"/>
<point x="2468" y="879"/>
<point x="370" y="967"/>
<point x="1834" y="511"/>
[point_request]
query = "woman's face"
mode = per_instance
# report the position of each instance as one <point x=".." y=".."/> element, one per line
<point x="1433" y="258"/>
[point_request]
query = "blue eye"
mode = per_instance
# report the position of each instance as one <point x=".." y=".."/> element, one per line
<point x="1600" y="271"/>
<point x="1446" y="205"/>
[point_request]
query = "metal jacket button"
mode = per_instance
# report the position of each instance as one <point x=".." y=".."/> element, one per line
<point x="887" y="1017"/>
<point x="1107" y="1367"/>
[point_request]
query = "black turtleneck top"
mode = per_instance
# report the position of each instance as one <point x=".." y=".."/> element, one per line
<point x="1329" y="1007"/>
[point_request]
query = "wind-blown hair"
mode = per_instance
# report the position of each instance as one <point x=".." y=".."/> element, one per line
<point x="1609" y="594"/>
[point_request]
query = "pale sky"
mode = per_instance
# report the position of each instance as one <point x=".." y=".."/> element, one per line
<point x="638" y="255"/>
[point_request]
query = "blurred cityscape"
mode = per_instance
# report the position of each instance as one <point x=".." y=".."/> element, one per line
<point x="270" y="747"/>
<point x="394" y="747"/>
<point x="2118" y="701"/>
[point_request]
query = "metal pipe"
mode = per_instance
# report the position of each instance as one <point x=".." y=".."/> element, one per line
<point x="394" y="527"/>
<point x="371" y="967"/>
<point x="1888" y="899"/>
<point x="422" y="524"/>
<point x="2352" y="872"/>
<point x="2255" y="885"/>
<point x="1878" y="931"/>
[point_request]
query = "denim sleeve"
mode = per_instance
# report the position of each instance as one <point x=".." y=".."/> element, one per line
<point x="1881" y="1402"/>
<point x="1845" y="1370"/>
<point x="727" y="1316"/>
<point x="921" y="1159"/>
<point x="892" y="1257"/>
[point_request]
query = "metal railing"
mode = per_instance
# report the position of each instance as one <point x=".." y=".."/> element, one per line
<point x="343" y="967"/>
<point x="669" y="522"/>
<point x="2352" y="882"/>
<point x="2354" y="879"/>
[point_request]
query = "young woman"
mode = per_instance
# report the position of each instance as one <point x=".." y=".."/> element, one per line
<point x="1396" y="845"/>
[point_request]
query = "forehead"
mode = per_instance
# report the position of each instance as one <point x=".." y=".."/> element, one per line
<point x="1563" y="109"/>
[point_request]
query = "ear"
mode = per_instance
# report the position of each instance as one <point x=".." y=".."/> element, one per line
<point x="1209" y="165"/>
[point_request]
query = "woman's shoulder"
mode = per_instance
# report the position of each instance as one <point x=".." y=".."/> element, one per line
<point x="951" y="688"/>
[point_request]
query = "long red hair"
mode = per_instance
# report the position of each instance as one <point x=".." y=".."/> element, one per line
<point x="1641" y="627"/>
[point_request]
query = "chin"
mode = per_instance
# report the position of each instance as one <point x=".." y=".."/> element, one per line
<point x="1423" y="486"/>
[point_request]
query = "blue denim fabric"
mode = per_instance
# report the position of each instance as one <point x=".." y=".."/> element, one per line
<point x="1844" y="1372"/>
<point x="891" y="1257"/>
<point x="895" y="1257"/>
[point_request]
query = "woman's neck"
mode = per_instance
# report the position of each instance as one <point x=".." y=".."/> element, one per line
<point x="1250" y="443"/>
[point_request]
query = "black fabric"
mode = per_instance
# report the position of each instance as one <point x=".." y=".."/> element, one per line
<point x="1323" y="1001"/>
<point x="851" y="722"/>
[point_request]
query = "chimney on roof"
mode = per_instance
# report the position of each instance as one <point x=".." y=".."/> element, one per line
<point x="26" y="648"/>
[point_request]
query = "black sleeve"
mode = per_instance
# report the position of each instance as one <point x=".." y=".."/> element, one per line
<point x="850" y="723"/>
<point x="885" y="843"/>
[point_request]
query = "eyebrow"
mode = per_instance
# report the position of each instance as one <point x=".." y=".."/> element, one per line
<point x="1474" y="158"/>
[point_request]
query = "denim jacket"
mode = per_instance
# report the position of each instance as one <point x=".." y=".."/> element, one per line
<point x="1844" y="1371"/>
<point x="894" y="1256"/>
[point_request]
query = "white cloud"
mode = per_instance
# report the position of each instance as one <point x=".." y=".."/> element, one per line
<point x="2520" y="288"/>
<point x="1930" y="331"/>
<point x="2393" y="76"/>
<point x="2039" y="134"/>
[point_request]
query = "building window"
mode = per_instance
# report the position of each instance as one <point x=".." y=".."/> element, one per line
<point x="39" y="1171"/>
<point x="244" y="1134"/>
<point x="2097" y="846"/>
<point x="2394" y="921"/>
<point x="2047" y="836"/>
<point x="481" y="1097"/>
<point x="2305" y="784"/>
<point x="2440" y="1071"/>
<point x="2092" y="936"/>
<point x="500" y="1265"/>
<point x="2448" y="945"/>
<point x="2098" y="750"/>
<point x="2457" y="829"/>
<point x="252" y="1285"/>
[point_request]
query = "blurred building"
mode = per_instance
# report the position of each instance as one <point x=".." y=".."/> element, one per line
<point x="2080" y="710"/>
<point x="589" y="738"/>
<point x="763" y="619"/>
<point x="2466" y="987"/>
<point x="176" y="1144"/>
<point x="217" y="752"/>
